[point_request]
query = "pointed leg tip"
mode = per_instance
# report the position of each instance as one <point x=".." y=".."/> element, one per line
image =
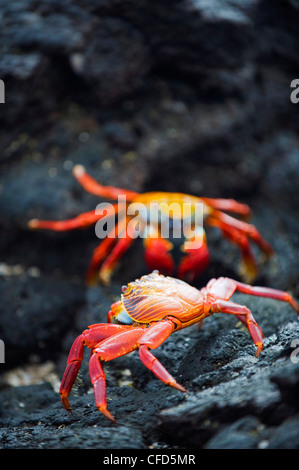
<point x="104" y="277"/>
<point x="295" y="306"/>
<point x="78" y="170"/>
<point x="66" y="403"/>
<point x="107" y="414"/>
<point x="33" y="223"/>
<point x="179" y="387"/>
<point x="259" y="349"/>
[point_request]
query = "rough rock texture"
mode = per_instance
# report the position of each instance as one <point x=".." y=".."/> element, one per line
<point x="189" y="96"/>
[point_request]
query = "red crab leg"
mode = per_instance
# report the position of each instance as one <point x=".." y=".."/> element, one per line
<point x="227" y="205"/>
<point x="226" y="221"/>
<point x="151" y="339"/>
<point x="224" y="287"/>
<point x="80" y="221"/>
<point x="267" y="292"/>
<point x="83" y="220"/>
<point x="97" y="258"/>
<point x="226" y="306"/>
<point x="101" y="252"/>
<point x="237" y="232"/>
<point x="90" y="337"/>
<point x="249" y="268"/>
<point x="110" y="262"/>
<point x="93" y="187"/>
<point x="73" y="366"/>
<point x="111" y="348"/>
<point x="98" y="380"/>
<point x="121" y="246"/>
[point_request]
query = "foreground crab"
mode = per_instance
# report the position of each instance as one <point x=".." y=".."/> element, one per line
<point x="150" y="310"/>
<point x="158" y="249"/>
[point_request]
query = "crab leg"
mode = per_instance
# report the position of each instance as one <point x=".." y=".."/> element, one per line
<point x="227" y="205"/>
<point x="224" y="287"/>
<point x="151" y="339"/>
<point x="267" y="292"/>
<point x="121" y="246"/>
<point x="73" y="366"/>
<point x="111" y="348"/>
<point x="93" y="187"/>
<point x="226" y="221"/>
<point x="97" y="258"/>
<point x="98" y="380"/>
<point x="90" y="337"/>
<point x="83" y="220"/>
<point x="238" y="232"/>
<point x="100" y="253"/>
<point x="249" y="266"/>
<point x="226" y="306"/>
<point x="110" y="262"/>
<point x="80" y="221"/>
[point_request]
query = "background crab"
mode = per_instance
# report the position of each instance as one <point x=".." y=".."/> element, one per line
<point x="190" y="96"/>
<point x="157" y="248"/>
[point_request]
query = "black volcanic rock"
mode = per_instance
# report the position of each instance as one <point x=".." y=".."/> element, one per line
<point x="185" y="96"/>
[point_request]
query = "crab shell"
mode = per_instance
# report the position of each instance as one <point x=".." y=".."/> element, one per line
<point x="153" y="297"/>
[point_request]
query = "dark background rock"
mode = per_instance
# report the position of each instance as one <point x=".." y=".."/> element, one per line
<point x="185" y="96"/>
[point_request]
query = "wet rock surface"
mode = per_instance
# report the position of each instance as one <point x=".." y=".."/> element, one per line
<point x="185" y="96"/>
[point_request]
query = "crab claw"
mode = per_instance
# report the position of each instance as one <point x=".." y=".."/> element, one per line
<point x="196" y="260"/>
<point x="157" y="256"/>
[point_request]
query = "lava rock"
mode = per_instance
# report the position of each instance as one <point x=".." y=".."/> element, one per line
<point x="245" y="433"/>
<point x="182" y="96"/>
<point x="34" y="311"/>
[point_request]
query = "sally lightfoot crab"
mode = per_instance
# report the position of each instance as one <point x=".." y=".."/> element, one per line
<point x="150" y="310"/>
<point x="159" y="249"/>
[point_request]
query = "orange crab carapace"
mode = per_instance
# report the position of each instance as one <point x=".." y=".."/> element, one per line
<point x="159" y="250"/>
<point x="150" y="310"/>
